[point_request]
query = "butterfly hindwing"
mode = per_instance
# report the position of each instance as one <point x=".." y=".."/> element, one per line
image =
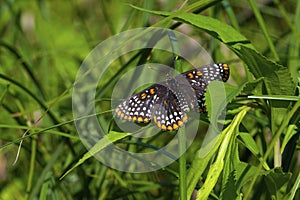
<point x="169" y="112"/>
<point x="139" y="107"/>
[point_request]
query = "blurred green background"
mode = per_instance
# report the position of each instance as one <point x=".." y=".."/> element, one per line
<point x="42" y="45"/>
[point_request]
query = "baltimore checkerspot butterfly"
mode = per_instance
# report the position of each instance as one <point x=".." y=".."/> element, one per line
<point x="167" y="103"/>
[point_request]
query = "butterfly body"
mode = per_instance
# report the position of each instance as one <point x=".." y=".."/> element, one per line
<point x="167" y="103"/>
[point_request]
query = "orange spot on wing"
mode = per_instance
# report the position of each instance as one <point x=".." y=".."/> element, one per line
<point x="179" y="123"/>
<point x="146" y="119"/>
<point x="143" y="95"/>
<point x="152" y="91"/>
<point x="140" y="119"/>
<point x="170" y="128"/>
<point x="225" y="66"/>
<point x="175" y="126"/>
<point x="190" y="75"/>
<point x="199" y="73"/>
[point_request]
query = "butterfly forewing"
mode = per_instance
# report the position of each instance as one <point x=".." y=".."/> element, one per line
<point x="200" y="77"/>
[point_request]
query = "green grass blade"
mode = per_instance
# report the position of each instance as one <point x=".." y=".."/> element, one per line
<point x="264" y="28"/>
<point x="46" y="169"/>
<point x="101" y="144"/>
<point x="25" y="65"/>
<point x="231" y="14"/>
<point x="182" y="164"/>
<point x="294" y="46"/>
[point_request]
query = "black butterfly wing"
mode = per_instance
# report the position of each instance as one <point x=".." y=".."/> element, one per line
<point x="158" y="103"/>
<point x="200" y="77"/>
<point x="139" y="107"/>
<point x="214" y="72"/>
<point x="170" y="111"/>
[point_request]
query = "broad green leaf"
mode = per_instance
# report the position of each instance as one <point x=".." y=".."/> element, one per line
<point x="277" y="182"/>
<point x="214" y="27"/>
<point x="254" y="87"/>
<point x="277" y="78"/>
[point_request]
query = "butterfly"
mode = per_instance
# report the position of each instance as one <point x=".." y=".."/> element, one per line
<point x="166" y="103"/>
